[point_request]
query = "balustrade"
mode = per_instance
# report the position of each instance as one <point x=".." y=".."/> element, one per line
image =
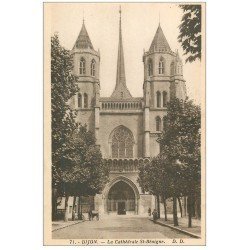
<point x="121" y="105"/>
<point x="125" y="165"/>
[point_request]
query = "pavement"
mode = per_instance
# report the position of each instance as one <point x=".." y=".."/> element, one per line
<point x="194" y="231"/>
<point x="116" y="227"/>
<point x="56" y="225"/>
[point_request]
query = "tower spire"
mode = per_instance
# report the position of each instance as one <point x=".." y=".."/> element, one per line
<point x="121" y="90"/>
<point x="83" y="41"/>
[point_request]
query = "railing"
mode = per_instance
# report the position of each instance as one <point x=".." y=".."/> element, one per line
<point x="125" y="165"/>
<point x="126" y="105"/>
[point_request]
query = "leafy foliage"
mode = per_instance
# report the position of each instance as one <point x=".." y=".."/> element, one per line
<point x="77" y="167"/>
<point x="88" y="174"/>
<point x="176" y="171"/>
<point x="181" y="142"/>
<point x="63" y="87"/>
<point x="190" y="31"/>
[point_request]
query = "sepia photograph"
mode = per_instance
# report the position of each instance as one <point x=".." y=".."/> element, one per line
<point x="124" y="123"/>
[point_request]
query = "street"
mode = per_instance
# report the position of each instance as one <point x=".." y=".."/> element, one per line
<point x="117" y="227"/>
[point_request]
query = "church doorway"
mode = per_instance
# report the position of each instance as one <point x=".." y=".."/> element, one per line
<point x="121" y="199"/>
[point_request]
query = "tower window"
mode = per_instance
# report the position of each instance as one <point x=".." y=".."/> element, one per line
<point x="150" y="67"/>
<point x="79" y="100"/>
<point x="82" y="66"/>
<point x="164" y="123"/>
<point x="165" y="98"/>
<point x="172" y="68"/>
<point x="85" y="100"/>
<point x="161" y="67"/>
<point x="93" y="68"/>
<point x="158" y="123"/>
<point x="158" y="99"/>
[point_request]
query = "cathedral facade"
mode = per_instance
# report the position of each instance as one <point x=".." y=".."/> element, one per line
<point x="126" y="127"/>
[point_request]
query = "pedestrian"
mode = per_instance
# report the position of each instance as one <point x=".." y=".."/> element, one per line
<point x="154" y="215"/>
<point x="149" y="211"/>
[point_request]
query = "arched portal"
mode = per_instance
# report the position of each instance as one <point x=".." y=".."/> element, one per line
<point x="121" y="196"/>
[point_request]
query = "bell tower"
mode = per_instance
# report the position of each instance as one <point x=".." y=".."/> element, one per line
<point x="86" y="62"/>
<point x="163" y="80"/>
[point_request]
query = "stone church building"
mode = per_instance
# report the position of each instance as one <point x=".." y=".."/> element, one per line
<point x="126" y="127"/>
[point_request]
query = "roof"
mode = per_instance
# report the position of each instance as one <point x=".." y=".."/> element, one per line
<point x="83" y="41"/>
<point x="159" y="42"/>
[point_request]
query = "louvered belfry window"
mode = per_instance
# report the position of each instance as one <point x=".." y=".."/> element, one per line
<point x="122" y="143"/>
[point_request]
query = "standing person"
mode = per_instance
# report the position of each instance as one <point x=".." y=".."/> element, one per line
<point x="73" y="215"/>
<point x="154" y="215"/>
<point x="149" y="211"/>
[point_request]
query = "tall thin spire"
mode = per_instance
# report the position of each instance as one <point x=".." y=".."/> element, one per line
<point x="120" y="90"/>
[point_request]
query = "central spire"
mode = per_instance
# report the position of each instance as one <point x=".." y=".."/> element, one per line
<point x="120" y="90"/>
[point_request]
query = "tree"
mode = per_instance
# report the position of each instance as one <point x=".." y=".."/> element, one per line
<point x="63" y="125"/>
<point x="158" y="178"/>
<point x="77" y="167"/>
<point x="181" y="142"/>
<point x="151" y="181"/>
<point x="88" y="174"/>
<point x="190" y="31"/>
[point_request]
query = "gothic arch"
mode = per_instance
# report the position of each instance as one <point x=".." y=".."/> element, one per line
<point x="79" y="100"/>
<point x="127" y="181"/>
<point x="158" y="123"/>
<point x="82" y="66"/>
<point x="164" y="98"/>
<point x="161" y="66"/>
<point x="172" y="69"/>
<point x="93" y="67"/>
<point x="158" y="99"/>
<point x="86" y="100"/>
<point x="150" y="67"/>
<point x="165" y="122"/>
<point x="121" y="143"/>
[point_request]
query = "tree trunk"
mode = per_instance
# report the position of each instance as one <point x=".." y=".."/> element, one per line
<point x="158" y="206"/>
<point x="175" y="211"/>
<point x="180" y="206"/>
<point x="185" y="205"/>
<point x="54" y="204"/>
<point x="73" y="208"/>
<point x="198" y="207"/>
<point x="79" y="209"/>
<point x="66" y="213"/>
<point x="165" y="207"/>
<point x="190" y="212"/>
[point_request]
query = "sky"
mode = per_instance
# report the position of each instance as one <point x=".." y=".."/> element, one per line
<point x="139" y="25"/>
